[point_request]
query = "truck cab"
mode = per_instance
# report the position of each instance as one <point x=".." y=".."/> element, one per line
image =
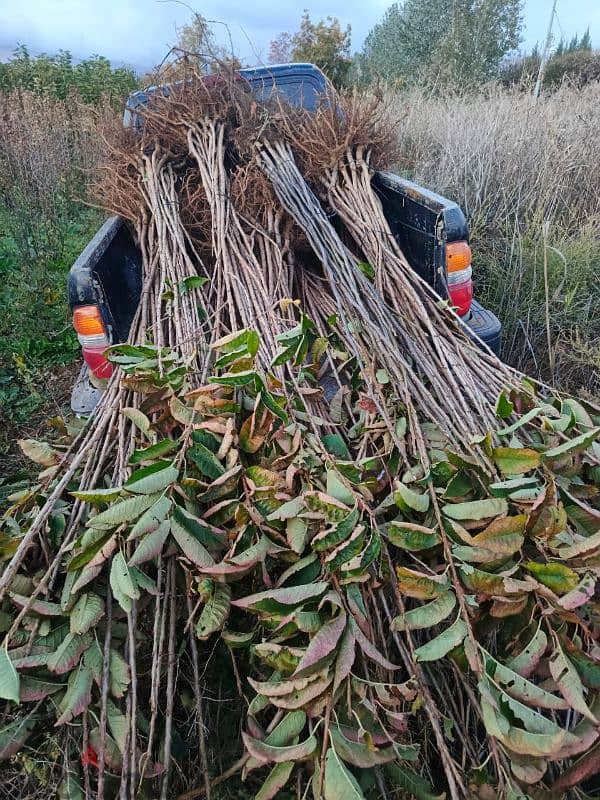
<point x="105" y="282"/>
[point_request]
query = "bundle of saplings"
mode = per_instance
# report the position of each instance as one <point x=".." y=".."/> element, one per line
<point x="306" y="481"/>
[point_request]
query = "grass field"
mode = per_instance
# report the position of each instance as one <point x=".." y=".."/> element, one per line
<point x="527" y="175"/>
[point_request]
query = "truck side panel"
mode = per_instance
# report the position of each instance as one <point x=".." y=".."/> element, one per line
<point x="109" y="272"/>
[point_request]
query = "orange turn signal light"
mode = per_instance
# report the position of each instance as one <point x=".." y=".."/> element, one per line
<point x="458" y="256"/>
<point x="87" y="321"/>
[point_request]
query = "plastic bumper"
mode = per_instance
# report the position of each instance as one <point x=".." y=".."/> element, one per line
<point x="84" y="396"/>
<point x="482" y="324"/>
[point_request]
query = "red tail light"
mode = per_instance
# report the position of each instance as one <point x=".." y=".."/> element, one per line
<point x="460" y="276"/>
<point x="91" y="333"/>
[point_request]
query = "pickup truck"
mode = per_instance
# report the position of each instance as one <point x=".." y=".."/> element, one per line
<point x="105" y="282"/>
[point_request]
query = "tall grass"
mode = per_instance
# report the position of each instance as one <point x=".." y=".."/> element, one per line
<point x="527" y="175"/>
<point x="46" y="147"/>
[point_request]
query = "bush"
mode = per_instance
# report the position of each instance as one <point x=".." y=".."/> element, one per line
<point x="576" y="67"/>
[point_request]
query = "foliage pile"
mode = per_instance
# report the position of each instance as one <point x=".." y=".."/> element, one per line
<point x="303" y="459"/>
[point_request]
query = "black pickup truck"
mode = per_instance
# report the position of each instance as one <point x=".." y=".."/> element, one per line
<point x="105" y="281"/>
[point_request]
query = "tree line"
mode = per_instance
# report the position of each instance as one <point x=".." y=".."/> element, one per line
<point x="458" y="44"/>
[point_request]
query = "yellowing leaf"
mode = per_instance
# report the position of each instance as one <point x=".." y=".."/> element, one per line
<point x="412" y="537"/>
<point x="39" y="452"/>
<point x="554" y="575"/>
<point x="516" y="461"/>
<point x="502" y="536"/>
<point x="417" y="584"/>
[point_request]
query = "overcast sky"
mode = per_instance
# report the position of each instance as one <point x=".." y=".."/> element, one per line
<point x="138" y="32"/>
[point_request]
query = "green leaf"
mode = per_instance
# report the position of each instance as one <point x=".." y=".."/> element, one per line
<point x="117" y="724"/>
<point x="524" y="420"/>
<point x="339" y="783"/>
<point x="407" y="499"/>
<point x="554" y="575"/>
<point x="86" y="613"/>
<point x="234" y="378"/>
<point x="14" y="735"/>
<point x="336" y="446"/>
<point x="122" y="584"/>
<point x="125" y="511"/>
<point x="199" y="529"/>
<point x="527" y="660"/>
<point x="588" y="668"/>
<point x="337" y="533"/>
<point x="442" y="644"/>
<point x="9" y="678"/>
<point x="191" y="547"/>
<point x="506" y="488"/>
<point x="151" y="479"/>
<point x="285" y="731"/>
<point x="273" y="600"/>
<point x="519" y="687"/>
<point x="161" y="448"/>
<point x="296" y="531"/>
<point x="207" y="463"/>
<point x="68" y="653"/>
<point x="504" y="407"/>
<point x="151" y="545"/>
<point x="89" y="554"/>
<point x="579" y="443"/>
<point x="516" y="461"/>
<point x="119" y="674"/>
<point x="416" y="786"/>
<point x="428" y="615"/>
<point x="542" y="738"/>
<point x="358" y="754"/>
<point x="288" y="510"/>
<point x="265" y="753"/>
<point x="477" y="509"/>
<point x="215" y="612"/>
<point x="569" y="683"/>
<point x="192" y="282"/>
<point x="152" y="518"/>
<point x="347" y="550"/>
<point x="409" y="536"/>
<point x="236" y="639"/>
<point x="337" y="488"/>
<point x="78" y="695"/>
<point x="275" y="781"/>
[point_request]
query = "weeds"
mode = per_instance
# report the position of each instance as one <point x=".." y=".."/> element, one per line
<point x="45" y="149"/>
<point x="518" y="168"/>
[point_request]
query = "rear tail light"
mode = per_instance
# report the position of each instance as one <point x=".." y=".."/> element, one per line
<point x="460" y="276"/>
<point x="93" y="338"/>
